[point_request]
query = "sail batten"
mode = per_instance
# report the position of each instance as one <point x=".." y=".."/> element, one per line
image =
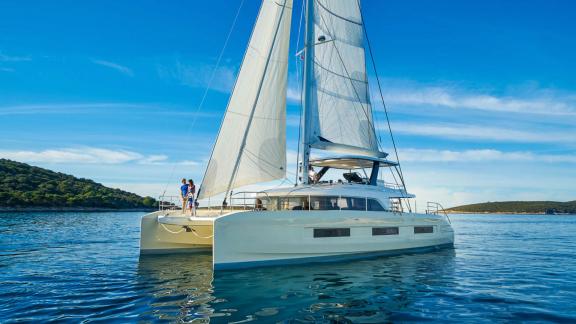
<point x="251" y="145"/>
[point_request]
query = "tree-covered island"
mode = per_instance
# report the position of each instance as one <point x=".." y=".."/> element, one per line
<point x="518" y="207"/>
<point x="23" y="186"/>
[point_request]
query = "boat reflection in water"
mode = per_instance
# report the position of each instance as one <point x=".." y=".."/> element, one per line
<point x="185" y="288"/>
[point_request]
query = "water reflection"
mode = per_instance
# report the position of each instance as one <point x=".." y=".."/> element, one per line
<point x="184" y="288"/>
<point x="179" y="286"/>
<point x="84" y="267"/>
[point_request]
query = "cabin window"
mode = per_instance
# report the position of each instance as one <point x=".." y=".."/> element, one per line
<point x="320" y="203"/>
<point x="324" y="203"/>
<point x="374" y="205"/>
<point x="384" y="231"/>
<point x="353" y="203"/>
<point x="331" y="232"/>
<point x="423" y="229"/>
<point x="268" y="203"/>
<point x="293" y="203"/>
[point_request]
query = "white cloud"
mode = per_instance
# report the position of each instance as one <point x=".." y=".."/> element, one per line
<point x="12" y="58"/>
<point x="479" y="182"/>
<point x="142" y="189"/>
<point x="88" y="155"/>
<point x="153" y="159"/>
<point x="73" y="155"/>
<point x="115" y="66"/>
<point x="473" y="132"/>
<point x="199" y="76"/>
<point x="293" y="94"/>
<point x="536" y="101"/>
<point x="292" y="120"/>
<point x="428" y="155"/>
<point x="65" y="108"/>
<point x="5" y="69"/>
<point x="189" y="163"/>
<point x="221" y="78"/>
<point x="450" y="197"/>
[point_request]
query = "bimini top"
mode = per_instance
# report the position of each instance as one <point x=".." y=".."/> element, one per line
<point x="351" y="162"/>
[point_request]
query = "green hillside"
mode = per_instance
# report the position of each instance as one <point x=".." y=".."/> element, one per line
<point x="518" y="207"/>
<point x="23" y="185"/>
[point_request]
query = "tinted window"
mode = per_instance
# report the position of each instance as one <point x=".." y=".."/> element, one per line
<point x="353" y="203"/>
<point x="374" y="205"/>
<point x="331" y="232"/>
<point x="320" y="203"/>
<point x="385" y="231"/>
<point x="268" y="203"/>
<point x="324" y="203"/>
<point x="423" y="229"/>
<point x="293" y="203"/>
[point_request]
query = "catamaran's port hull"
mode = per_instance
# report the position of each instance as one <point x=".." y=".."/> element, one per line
<point x="163" y="233"/>
<point x="262" y="238"/>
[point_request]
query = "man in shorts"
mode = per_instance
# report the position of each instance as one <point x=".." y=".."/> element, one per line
<point x="184" y="194"/>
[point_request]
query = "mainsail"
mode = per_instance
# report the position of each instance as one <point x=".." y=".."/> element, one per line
<point x="338" y="112"/>
<point x="251" y="144"/>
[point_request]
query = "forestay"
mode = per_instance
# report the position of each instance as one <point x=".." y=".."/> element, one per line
<point x="340" y="112"/>
<point x="251" y="144"/>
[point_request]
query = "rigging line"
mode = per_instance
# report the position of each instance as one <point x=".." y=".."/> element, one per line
<point x="204" y="95"/>
<point x="300" y="88"/>
<point x="382" y="98"/>
<point x="255" y="117"/>
<point x="282" y="183"/>
<point x="350" y="78"/>
<point x="400" y="173"/>
<point x="375" y="114"/>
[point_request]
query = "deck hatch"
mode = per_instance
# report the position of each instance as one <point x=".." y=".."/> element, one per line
<point x="331" y="232"/>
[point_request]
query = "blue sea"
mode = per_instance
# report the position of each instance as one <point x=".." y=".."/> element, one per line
<point x="74" y="267"/>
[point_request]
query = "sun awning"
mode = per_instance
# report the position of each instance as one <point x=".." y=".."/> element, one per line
<point x="351" y="162"/>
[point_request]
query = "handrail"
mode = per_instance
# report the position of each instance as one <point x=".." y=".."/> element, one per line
<point x="169" y="202"/>
<point x="260" y="200"/>
<point x="435" y="208"/>
<point x="246" y="203"/>
<point x="252" y="203"/>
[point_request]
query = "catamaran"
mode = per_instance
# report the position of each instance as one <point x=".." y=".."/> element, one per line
<point x="354" y="213"/>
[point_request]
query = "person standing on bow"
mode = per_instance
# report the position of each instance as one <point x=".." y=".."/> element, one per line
<point x="184" y="194"/>
<point x="191" y="194"/>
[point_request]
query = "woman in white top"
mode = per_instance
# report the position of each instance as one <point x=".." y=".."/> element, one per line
<point x="191" y="194"/>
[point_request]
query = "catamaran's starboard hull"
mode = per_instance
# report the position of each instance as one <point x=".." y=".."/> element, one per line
<point x="270" y="238"/>
<point x="262" y="238"/>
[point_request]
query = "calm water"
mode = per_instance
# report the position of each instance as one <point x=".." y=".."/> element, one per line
<point x="85" y="266"/>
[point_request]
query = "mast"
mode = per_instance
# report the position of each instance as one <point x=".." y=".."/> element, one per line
<point x="308" y="77"/>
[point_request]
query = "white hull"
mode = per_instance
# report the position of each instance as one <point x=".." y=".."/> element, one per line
<point x="160" y="238"/>
<point x="258" y="238"/>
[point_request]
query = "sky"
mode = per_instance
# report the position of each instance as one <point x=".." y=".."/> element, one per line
<point x="481" y="94"/>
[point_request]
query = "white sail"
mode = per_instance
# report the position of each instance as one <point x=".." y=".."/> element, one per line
<point x="339" y="107"/>
<point x="251" y="144"/>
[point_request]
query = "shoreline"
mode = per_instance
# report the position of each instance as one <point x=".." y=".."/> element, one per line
<point x="503" y="213"/>
<point x="72" y="209"/>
